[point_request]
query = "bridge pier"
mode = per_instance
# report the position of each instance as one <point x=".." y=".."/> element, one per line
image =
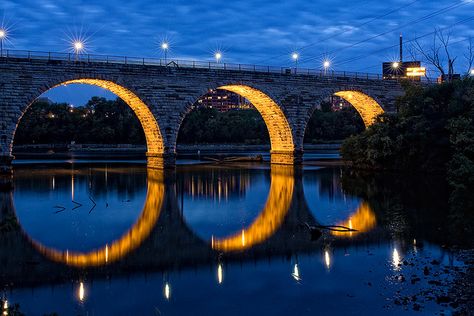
<point x="6" y="173"/>
<point x="286" y="157"/>
<point x="161" y="161"/>
<point x="6" y="166"/>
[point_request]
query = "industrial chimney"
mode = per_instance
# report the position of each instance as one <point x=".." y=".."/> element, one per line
<point x="401" y="48"/>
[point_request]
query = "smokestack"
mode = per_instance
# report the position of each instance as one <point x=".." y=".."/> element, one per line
<point x="401" y="48"/>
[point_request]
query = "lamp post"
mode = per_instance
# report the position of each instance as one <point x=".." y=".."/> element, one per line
<point x="3" y="36"/>
<point x="218" y="56"/>
<point x="326" y="65"/>
<point x="295" y="57"/>
<point x="78" y="48"/>
<point x="165" y="46"/>
<point x="472" y="72"/>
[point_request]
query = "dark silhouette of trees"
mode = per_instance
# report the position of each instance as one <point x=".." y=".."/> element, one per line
<point x="100" y="121"/>
<point x="103" y="121"/>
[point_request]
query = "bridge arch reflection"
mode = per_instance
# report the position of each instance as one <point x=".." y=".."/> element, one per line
<point x="270" y="218"/>
<point x="129" y="241"/>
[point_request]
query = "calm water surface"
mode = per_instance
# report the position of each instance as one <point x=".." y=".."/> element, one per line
<point x="111" y="239"/>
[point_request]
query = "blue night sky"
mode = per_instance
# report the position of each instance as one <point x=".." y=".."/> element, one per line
<point x="355" y="36"/>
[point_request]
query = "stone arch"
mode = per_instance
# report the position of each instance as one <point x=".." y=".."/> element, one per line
<point x="154" y="139"/>
<point x="269" y="220"/>
<point x="279" y="129"/>
<point x="128" y="242"/>
<point x="366" y="106"/>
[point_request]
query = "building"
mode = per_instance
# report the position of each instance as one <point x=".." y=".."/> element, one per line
<point x="223" y="101"/>
<point x="410" y="70"/>
<point x="338" y="103"/>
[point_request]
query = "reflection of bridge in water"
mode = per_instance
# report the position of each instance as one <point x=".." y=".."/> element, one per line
<point x="160" y="240"/>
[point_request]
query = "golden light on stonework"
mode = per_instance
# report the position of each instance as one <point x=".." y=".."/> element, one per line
<point x="133" y="238"/>
<point x="279" y="130"/>
<point x="367" y="107"/>
<point x="154" y="140"/>
<point x="271" y="217"/>
<point x="363" y="220"/>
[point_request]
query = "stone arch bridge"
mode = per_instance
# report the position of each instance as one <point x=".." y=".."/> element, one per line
<point x="161" y="96"/>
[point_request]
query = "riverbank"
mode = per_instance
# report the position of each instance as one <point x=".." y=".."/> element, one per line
<point x="181" y="148"/>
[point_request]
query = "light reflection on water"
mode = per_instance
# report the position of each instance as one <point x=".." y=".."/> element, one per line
<point x="171" y="228"/>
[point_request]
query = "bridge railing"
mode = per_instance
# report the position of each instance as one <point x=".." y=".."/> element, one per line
<point x="93" y="58"/>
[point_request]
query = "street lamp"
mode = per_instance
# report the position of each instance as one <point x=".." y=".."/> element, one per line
<point x="295" y="57"/>
<point x="218" y="56"/>
<point x="326" y="65"/>
<point x="78" y="48"/>
<point x="165" y="46"/>
<point x="3" y="36"/>
<point x="472" y="72"/>
<point x="395" y="65"/>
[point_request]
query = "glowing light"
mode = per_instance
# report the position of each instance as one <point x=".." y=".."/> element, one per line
<point x="395" y="259"/>
<point x="296" y="273"/>
<point x="3" y="34"/>
<point x="218" y="56"/>
<point x="81" y="292"/>
<point x="106" y="253"/>
<point x="416" y="72"/>
<point x="295" y="56"/>
<point x="395" y="65"/>
<point x="5" y="307"/>
<point x="472" y="72"/>
<point x="327" y="259"/>
<point x="165" y="46"/>
<point x="243" y="237"/>
<point x="326" y="64"/>
<point x="220" y="274"/>
<point x="167" y="291"/>
<point x="78" y="46"/>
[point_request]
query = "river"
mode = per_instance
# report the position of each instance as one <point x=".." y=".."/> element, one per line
<point x="113" y="238"/>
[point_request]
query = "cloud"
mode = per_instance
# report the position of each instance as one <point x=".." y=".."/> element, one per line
<point x="258" y="31"/>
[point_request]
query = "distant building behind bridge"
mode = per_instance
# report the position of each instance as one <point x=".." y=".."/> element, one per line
<point x="223" y="101"/>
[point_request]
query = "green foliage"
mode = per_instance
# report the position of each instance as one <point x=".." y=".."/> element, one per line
<point x="205" y="125"/>
<point x="333" y="126"/>
<point x="433" y="132"/>
<point x="101" y="121"/>
<point x="418" y="137"/>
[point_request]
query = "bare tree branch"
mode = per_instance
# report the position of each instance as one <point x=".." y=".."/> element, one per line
<point x="470" y="56"/>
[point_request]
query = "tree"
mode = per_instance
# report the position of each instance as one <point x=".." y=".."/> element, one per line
<point x="439" y="55"/>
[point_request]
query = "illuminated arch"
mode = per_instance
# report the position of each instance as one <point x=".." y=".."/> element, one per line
<point x="279" y="130"/>
<point x="367" y="107"/>
<point x="271" y="217"/>
<point x="363" y="220"/>
<point x="128" y="242"/>
<point x="154" y="139"/>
